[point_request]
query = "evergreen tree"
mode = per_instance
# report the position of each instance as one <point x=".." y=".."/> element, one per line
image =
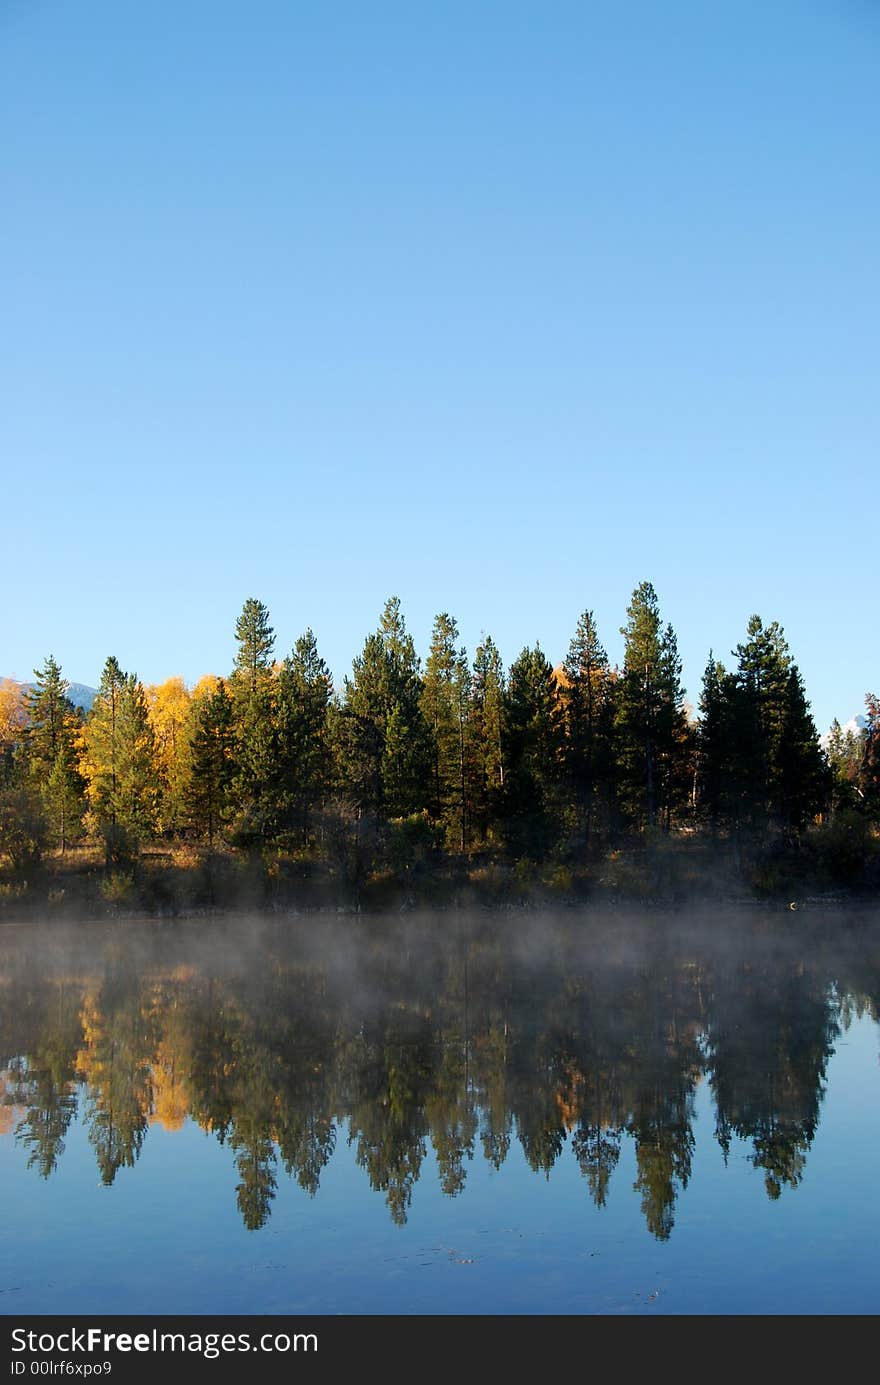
<point x="803" y="778"/>
<point x="487" y="736"/>
<point x="256" y="789"/>
<point x="100" y="764"/>
<point x="445" y="705"/>
<point x="118" y="764"/>
<point x="47" y="707"/>
<point x="651" y="726"/>
<point x="256" y="640"/>
<point x="384" y="746"/>
<point x="763" y="663"/>
<point x="304" y="692"/>
<point x="845" y="749"/>
<point x="713" y="744"/>
<point x="533" y="754"/>
<point x="208" y="791"/>
<point x="588" y="699"/>
<point x="869" y="774"/>
<point x="50" y="740"/>
<point x="137" y="782"/>
<point x="777" y="772"/>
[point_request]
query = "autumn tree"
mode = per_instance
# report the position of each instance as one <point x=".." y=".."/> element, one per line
<point x="13" y="719"/>
<point x="168" y="705"/>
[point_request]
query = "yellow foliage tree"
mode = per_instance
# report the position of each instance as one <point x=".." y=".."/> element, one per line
<point x="13" y="718"/>
<point x="168" y="705"/>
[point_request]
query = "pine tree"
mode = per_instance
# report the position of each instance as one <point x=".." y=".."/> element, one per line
<point x="304" y="692"/>
<point x="50" y="739"/>
<point x="487" y="736"/>
<point x="763" y="663"/>
<point x="445" y="705"/>
<point x="587" y="692"/>
<point x="534" y="755"/>
<point x="802" y="775"/>
<point x="778" y="775"/>
<point x="254" y="693"/>
<point x="208" y="790"/>
<point x="256" y="640"/>
<point x="844" y="749"/>
<point x="869" y="774"/>
<point x="119" y="763"/>
<point x="47" y="707"/>
<point x="256" y="789"/>
<point x="651" y="727"/>
<point x="714" y="747"/>
<point x="384" y="745"/>
<point x="100" y="764"/>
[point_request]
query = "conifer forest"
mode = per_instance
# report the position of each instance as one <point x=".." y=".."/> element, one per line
<point x="441" y="780"/>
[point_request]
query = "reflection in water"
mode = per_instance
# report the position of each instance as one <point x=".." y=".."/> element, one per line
<point x="450" y="1033"/>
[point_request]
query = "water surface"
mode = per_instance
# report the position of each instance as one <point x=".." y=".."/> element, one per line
<point x="442" y="1115"/>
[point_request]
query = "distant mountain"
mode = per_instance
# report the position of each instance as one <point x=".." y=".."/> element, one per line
<point x="80" y="694"/>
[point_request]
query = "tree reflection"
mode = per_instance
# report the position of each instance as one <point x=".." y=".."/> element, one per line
<point x="423" y="1050"/>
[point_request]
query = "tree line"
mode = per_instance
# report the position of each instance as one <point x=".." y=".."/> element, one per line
<point x="451" y="755"/>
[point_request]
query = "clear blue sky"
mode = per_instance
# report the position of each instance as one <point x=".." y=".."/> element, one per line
<point x="500" y="307"/>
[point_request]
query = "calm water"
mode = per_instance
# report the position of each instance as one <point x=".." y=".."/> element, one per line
<point x="538" y="1115"/>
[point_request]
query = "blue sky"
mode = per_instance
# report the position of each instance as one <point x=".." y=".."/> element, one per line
<point x="500" y="307"/>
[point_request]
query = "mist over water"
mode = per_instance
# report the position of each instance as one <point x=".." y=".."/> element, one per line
<point x="571" y="1113"/>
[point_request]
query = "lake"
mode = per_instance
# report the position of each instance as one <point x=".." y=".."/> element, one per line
<point x="576" y="1113"/>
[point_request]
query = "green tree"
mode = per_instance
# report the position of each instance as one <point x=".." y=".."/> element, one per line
<point x="445" y="705"/>
<point x="47" y="707"/>
<point x="802" y="772"/>
<point x="254" y="692"/>
<point x="384" y="745"/>
<point x="208" y="791"/>
<point x="256" y="640"/>
<point x="869" y="773"/>
<point x="50" y="752"/>
<point x="715" y="746"/>
<point x="256" y="790"/>
<point x="119" y="763"/>
<point x="304" y="757"/>
<point x="587" y="691"/>
<point x="487" y="737"/>
<point x="651" y="725"/>
<point x="845" y="748"/>
<point x="777" y="774"/>
<point x="533" y="754"/>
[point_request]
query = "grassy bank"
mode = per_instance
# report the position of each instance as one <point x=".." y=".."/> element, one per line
<point x="180" y="878"/>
